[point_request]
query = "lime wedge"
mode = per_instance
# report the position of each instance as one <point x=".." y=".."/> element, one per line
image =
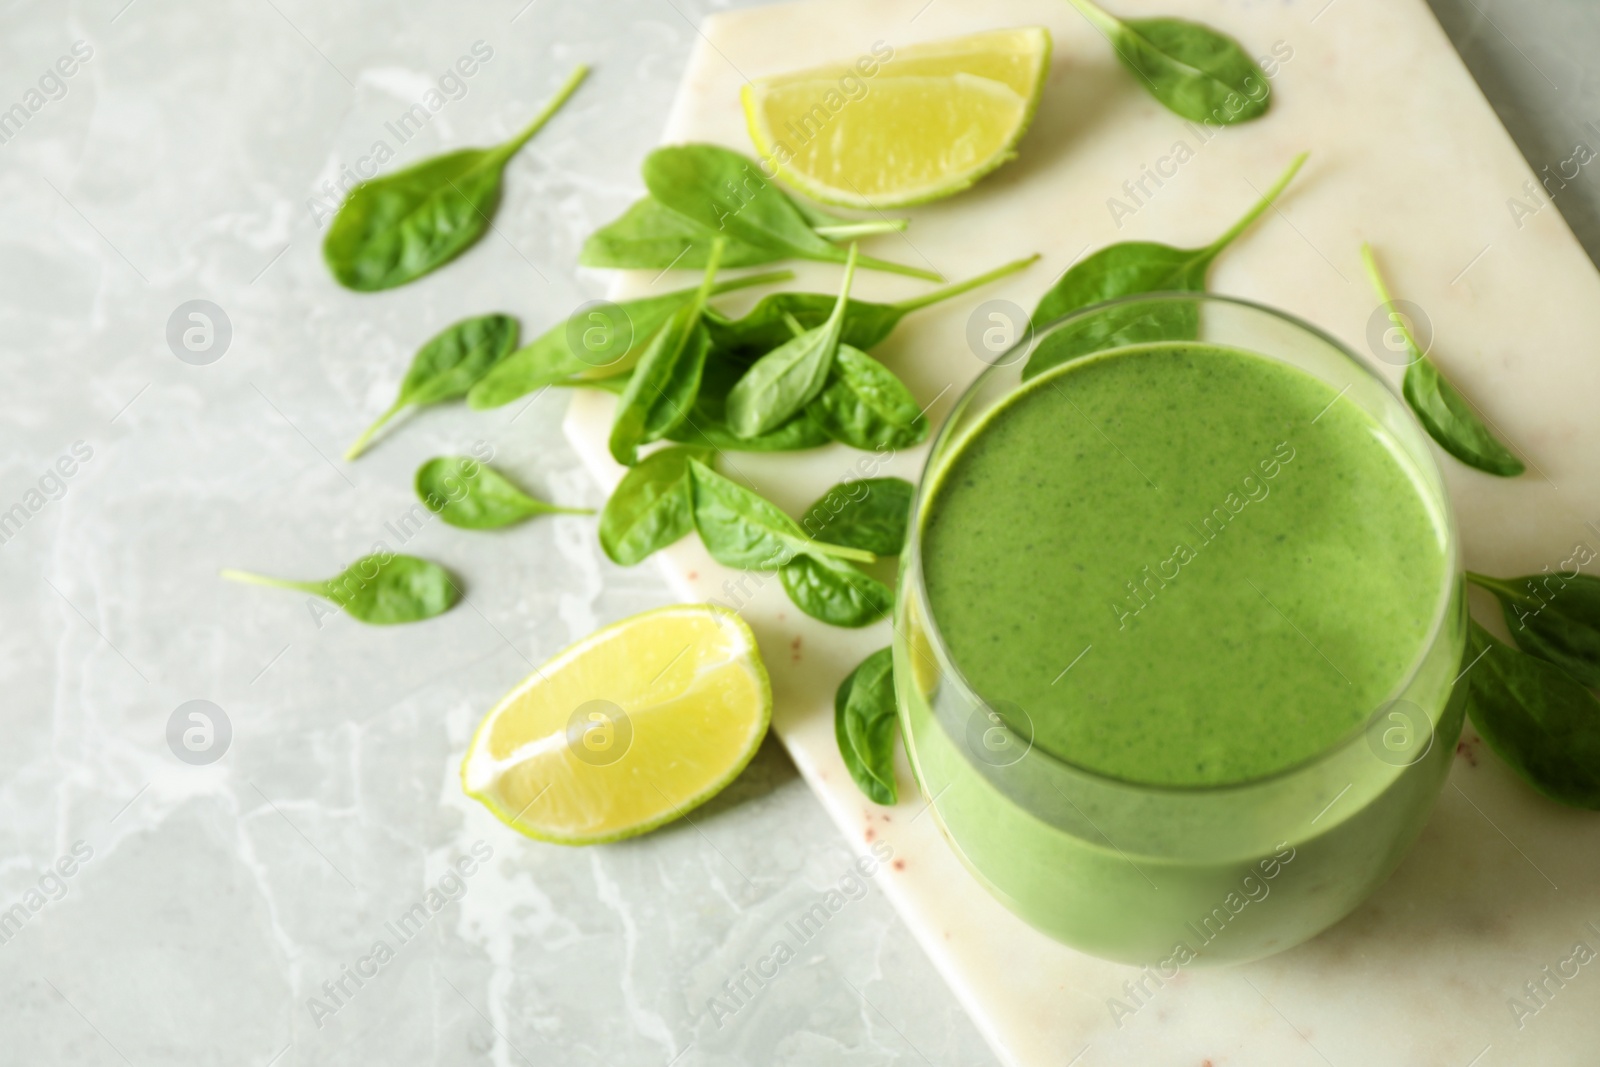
<point x="927" y="123"/>
<point x="629" y="728"/>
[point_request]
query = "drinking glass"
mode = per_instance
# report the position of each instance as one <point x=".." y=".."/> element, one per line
<point x="1168" y="875"/>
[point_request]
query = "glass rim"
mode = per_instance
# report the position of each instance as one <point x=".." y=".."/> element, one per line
<point x="1449" y="529"/>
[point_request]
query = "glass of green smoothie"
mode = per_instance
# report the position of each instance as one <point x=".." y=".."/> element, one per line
<point x="1178" y="630"/>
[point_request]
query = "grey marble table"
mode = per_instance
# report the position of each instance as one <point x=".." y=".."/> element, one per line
<point x="155" y="910"/>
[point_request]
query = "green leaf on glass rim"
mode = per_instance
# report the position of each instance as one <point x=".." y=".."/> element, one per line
<point x="781" y="383"/>
<point x="865" y="406"/>
<point x="707" y="424"/>
<point x="1131" y="268"/>
<point x="1536" y="717"/>
<point x="868" y="513"/>
<point x="1195" y="71"/>
<point x="725" y="192"/>
<point x="1560" y="624"/>
<point x="466" y="493"/>
<point x="766" y="326"/>
<point x="652" y="507"/>
<point x="447" y="366"/>
<point x="1448" y="417"/>
<point x="653" y="237"/>
<point x="552" y="358"/>
<point x="663" y="386"/>
<point x="836" y="593"/>
<point x="743" y="529"/>
<point x="1173" y="318"/>
<point x="396" y="228"/>
<point x="381" y="589"/>
<point x="864" y="720"/>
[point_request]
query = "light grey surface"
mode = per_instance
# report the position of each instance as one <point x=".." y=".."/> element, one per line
<point x="178" y="165"/>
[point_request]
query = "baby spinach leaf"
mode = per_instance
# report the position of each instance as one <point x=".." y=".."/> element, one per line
<point x="447" y="366"/>
<point x="664" y="384"/>
<point x="706" y="428"/>
<point x="1129" y="268"/>
<point x="550" y="359"/>
<point x="381" y="589"/>
<point x="1114" y="326"/>
<point x="765" y="326"/>
<point x="466" y="493"/>
<point x="652" y="507"/>
<point x="1553" y="616"/>
<point x="651" y="236"/>
<point x="725" y="192"/>
<point x="661" y="391"/>
<point x="1453" y="422"/>
<point x="616" y="385"/>
<point x="1197" y="72"/>
<point x="1537" y="718"/>
<point x="707" y="424"/>
<point x="742" y="529"/>
<point x="1448" y="417"/>
<point x="864" y="720"/>
<point x="837" y="228"/>
<point x="782" y="382"/>
<point x="838" y="594"/>
<point x="865" y="406"/>
<point x="868" y="513"/>
<point x="394" y="229"/>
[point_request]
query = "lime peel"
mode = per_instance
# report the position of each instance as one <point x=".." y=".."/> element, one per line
<point x="679" y="701"/>
<point x="931" y="121"/>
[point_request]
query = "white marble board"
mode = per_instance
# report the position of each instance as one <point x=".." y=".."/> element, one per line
<point x="1406" y="153"/>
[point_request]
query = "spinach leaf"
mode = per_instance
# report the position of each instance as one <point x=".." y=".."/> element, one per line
<point x="1115" y="326"/>
<point x="1537" y="718"/>
<point x="838" y="594"/>
<point x="381" y="589"/>
<point x="742" y="529"/>
<point x="706" y="428"/>
<point x="1560" y="624"/>
<point x="707" y="424"/>
<point x="616" y="385"/>
<point x="652" y="506"/>
<point x="838" y="228"/>
<point x="869" y="513"/>
<point x="864" y="719"/>
<point x="765" y="326"/>
<point x="1129" y="268"/>
<point x="865" y="406"/>
<point x="1197" y="72"/>
<point x="1448" y="417"/>
<point x="466" y="493"/>
<point x="664" y="384"/>
<point x="1453" y="422"/>
<point x="725" y="192"/>
<point x="394" y="229"/>
<point x="447" y="366"/>
<point x="651" y="236"/>
<point x="555" y="355"/>
<point x="782" y="382"/>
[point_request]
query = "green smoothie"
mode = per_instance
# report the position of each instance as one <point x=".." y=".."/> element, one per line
<point x="1179" y="576"/>
<point x="1181" y="517"/>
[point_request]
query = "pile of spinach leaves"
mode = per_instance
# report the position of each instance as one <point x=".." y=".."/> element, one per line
<point x="781" y="378"/>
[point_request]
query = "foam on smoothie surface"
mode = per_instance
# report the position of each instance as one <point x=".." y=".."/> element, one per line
<point x="1247" y="562"/>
